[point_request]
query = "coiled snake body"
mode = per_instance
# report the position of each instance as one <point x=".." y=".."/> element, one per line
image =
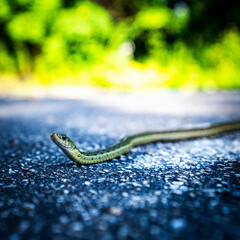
<point x="126" y="143"/>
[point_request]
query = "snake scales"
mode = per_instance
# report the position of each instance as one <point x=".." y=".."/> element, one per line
<point x="126" y="143"/>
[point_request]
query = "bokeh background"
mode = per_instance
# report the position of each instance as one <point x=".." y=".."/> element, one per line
<point x="119" y="44"/>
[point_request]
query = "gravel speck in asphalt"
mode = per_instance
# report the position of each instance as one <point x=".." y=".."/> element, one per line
<point x="178" y="224"/>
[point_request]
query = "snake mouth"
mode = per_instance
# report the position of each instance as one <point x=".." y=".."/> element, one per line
<point x="58" y="142"/>
<point x="54" y="137"/>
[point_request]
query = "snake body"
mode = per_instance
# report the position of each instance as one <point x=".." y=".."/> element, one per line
<point x="128" y="142"/>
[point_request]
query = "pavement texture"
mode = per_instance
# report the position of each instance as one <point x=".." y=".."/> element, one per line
<point x="175" y="190"/>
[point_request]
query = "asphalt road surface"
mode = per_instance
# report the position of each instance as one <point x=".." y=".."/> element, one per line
<point x="176" y="190"/>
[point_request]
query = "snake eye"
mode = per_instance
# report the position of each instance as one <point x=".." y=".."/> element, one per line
<point x="64" y="137"/>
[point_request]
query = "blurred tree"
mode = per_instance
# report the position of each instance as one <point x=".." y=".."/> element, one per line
<point x="207" y="20"/>
<point x="43" y="35"/>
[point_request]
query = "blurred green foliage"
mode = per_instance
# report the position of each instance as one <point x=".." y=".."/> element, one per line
<point x="122" y="44"/>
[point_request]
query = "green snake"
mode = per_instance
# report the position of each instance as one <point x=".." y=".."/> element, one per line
<point x="128" y="142"/>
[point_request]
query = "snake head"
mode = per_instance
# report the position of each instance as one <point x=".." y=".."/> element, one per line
<point x="62" y="141"/>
